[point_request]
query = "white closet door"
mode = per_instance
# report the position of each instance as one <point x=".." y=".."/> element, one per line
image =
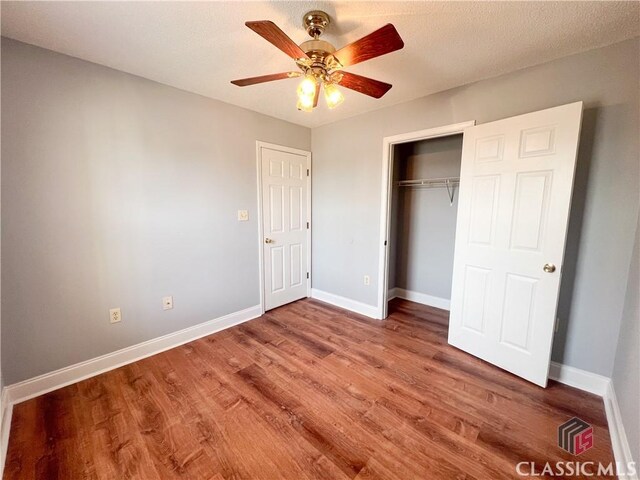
<point x="284" y="204"/>
<point x="515" y="193"/>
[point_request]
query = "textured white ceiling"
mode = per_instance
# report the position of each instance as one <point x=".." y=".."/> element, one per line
<point x="201" y="46"/>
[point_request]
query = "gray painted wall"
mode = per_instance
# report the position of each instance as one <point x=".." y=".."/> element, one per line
<point x="347" y="179"/>
<point x="626" y="370"/>
<point x="117" y="191"/>
<point x="425" y="220"/>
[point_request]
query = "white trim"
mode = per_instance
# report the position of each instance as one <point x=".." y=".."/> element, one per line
<point x="423" y="298"/>
<point x="19" y="392"/>
<point x="603" y="387"/>
<point x="346" y="303"/>
<point x="385" y="204"/>
<point x="3" y="406"/>
<point x="581" y="379"/>
<point x="619" y="441"/>
<point x="309" y="230"/>
<point x="259" y="145"/>
<point x="5" y="427"/>
<point x="260" y="227"/>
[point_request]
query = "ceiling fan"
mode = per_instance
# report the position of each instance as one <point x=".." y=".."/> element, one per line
<point x="321" y="64"/>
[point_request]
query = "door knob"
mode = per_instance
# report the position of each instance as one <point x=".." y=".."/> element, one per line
<point x="268" y="240"/>
<point x="549" y="267"/>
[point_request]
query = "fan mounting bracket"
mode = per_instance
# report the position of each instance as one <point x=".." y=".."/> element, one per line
<point x="315" y="22"/>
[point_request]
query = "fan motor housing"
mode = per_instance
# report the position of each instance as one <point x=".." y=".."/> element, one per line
<point x="317" y="50"/>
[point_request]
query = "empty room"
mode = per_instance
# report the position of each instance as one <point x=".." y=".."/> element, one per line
<point x="319" y="240"/>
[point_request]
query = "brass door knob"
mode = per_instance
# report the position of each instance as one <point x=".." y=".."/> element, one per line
<point x="549" y="267"/>
<point x="268" y="240"/>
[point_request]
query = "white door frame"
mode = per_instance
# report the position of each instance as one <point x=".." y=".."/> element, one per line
<point x="281" y="148"/>
<point x="385" y="205"/>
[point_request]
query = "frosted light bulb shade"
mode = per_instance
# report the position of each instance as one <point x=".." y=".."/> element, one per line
<point x="333" y="95"/>
<point x="305" y="103"/>
<point x="308" y="86"/>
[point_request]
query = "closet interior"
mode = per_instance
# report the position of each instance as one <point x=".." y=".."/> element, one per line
<point x="424" y="207"/>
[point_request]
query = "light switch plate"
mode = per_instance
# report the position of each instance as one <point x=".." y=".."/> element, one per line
<point x="243" y="215"/>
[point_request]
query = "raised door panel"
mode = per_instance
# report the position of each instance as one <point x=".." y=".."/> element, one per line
<point x="296" y="263"/>
<point x="531" y="209"/>
<point x="518" y="311"/>
<point x="475" y="298"/>
<point x="490" y="149"/>
<point x="276" y="209"/>
<point x="276" y="168"/>
<point x="485" y="191"/>
<point x="535" y="142"/>
<point x="296" y="208"/>
<point x="296" y="169"/>
<point x="277" y="268"/>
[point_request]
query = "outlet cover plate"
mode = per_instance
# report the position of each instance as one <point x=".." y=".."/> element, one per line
<point x="167" y="303"/>
<point x="115" y="315"/>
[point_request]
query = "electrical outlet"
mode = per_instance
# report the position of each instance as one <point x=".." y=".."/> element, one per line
<point x="367" y="280"/>
<point x="243" y="215"/>
<point x="115" y="315"/>
<point x="167" y="303"/>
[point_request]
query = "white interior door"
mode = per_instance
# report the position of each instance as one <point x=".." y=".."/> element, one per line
<point x="285" y="227"/>
<point x="516" y="181"/>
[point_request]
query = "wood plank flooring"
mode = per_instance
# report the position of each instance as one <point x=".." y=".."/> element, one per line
<point x="307" y="391"/>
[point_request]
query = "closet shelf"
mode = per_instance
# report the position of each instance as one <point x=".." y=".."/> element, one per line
<point x="430" y="182"/>
<point x="446" y="182"/>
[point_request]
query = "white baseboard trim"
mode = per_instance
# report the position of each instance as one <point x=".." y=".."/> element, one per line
<point x="418" y="297"/>
<point x="603" y="387"/>
<point x="346" y="303"/>
<point x="5" y="427"/>
<point x="19" y="392"/>
<point x="581" y="379"/>
<point x="619" y="441"/>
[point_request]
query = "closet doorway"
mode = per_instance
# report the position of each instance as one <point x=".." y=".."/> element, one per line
<point x="516" y="180"/>
<point x="424" y="205"/>
<point x="421" y="189"/>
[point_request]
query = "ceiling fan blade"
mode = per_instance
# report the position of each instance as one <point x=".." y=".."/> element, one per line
<point x="272" y="33"/>
<point x="368" y="86"/>
<point x="243" y="82"/>
<point x="382" y="41"/>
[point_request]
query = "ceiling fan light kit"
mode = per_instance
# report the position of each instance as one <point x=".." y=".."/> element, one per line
<point x="321" y="64"/>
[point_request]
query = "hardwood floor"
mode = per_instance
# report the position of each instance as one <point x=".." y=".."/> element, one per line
<point x="305" y="391"/>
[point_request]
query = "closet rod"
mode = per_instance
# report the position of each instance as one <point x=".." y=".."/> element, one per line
<point x="430" y="182"/>
<point x="448" y="182"/>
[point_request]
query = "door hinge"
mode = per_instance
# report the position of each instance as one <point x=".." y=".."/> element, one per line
<point x="307" y="172"/>
<point x="307" y="274"/>
<point x="385" y="243"/>
<point x="307" y="225"/>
